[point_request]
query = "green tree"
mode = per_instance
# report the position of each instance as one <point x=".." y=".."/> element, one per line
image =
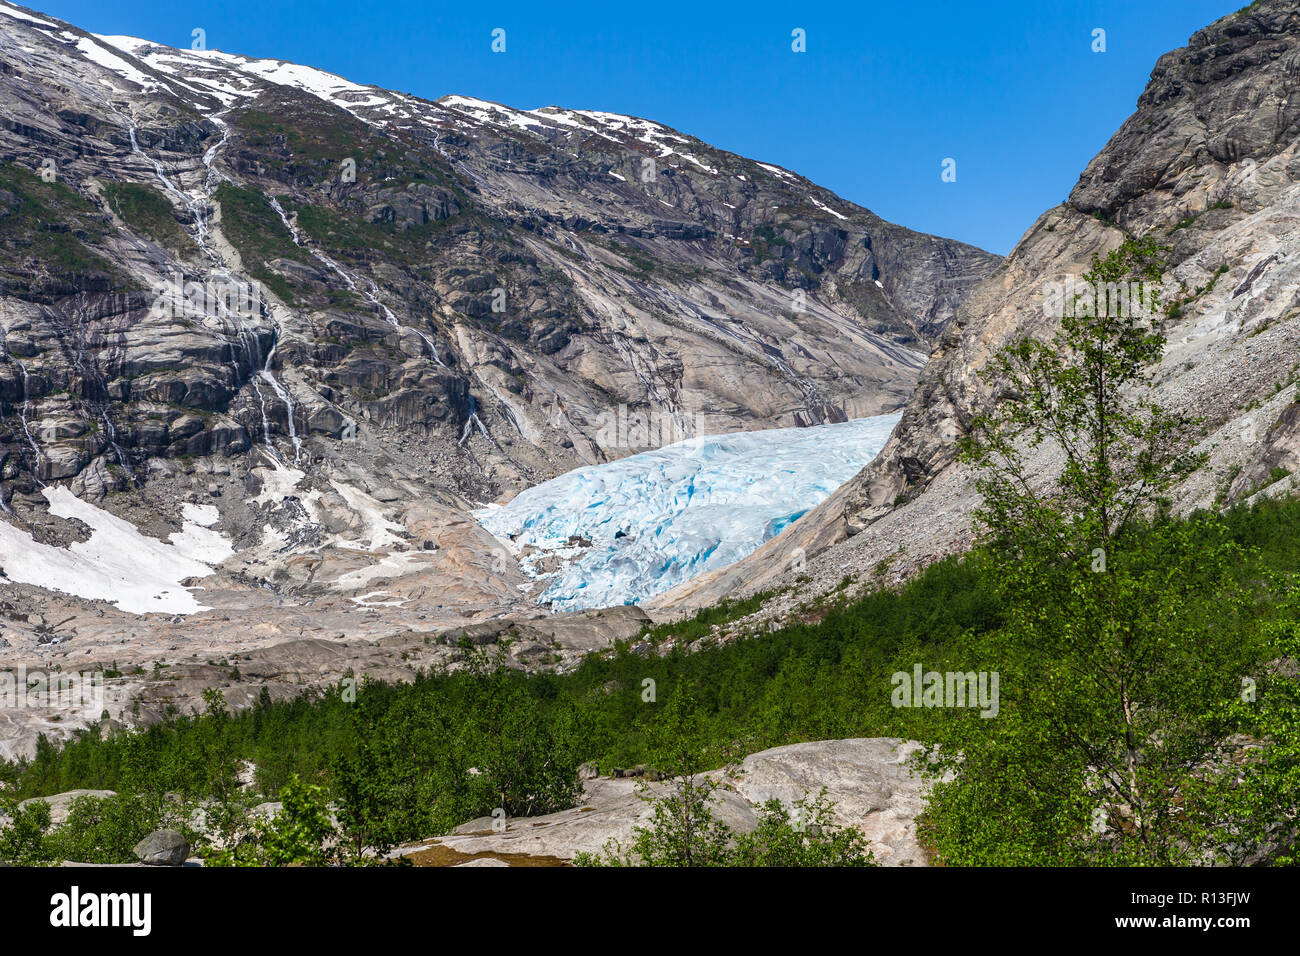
<point x="1263" y="784"/>
<point x="300" y="834"/>
<point x="1125" y="635"/>
<point x="682" y="830"/>
<point x="805" y="835"/>
<point x="1085" y="395"/>
<point x="526" y="757"/>
<point x="24" y="839"/>
<point x="363" y="790"/>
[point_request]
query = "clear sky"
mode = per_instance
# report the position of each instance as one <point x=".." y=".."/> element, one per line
<point x="885" y="92"/>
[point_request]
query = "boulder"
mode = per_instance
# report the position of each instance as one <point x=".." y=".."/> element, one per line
<point x="163" y="848"/>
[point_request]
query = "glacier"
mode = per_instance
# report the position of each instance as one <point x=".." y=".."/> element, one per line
<point x="627" y="530"/>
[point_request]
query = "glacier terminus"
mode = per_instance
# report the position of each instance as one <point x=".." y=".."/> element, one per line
<point x="624" y="531"/>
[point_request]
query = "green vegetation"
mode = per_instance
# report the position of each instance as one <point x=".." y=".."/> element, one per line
<point x="355" y="236"/>
<point x="318" y="136"/>
<point x="45" y="227"/>
<point x="321" y="137"/>
<point x="1176" y="308"/>
<point x="684" y="829"/>
<point x="642" y="264"/>
<point x="640" y="261"/>
<point x="767" y="243"/>
<point x="147" y="211"/>
<point x="705" y="620"/>
<point x="397" y="761"/>
<point x="97" y="830"/>
<point x="299" y="834"/>
<point x="254" y="228"/>
<point x="1127" y="639"/>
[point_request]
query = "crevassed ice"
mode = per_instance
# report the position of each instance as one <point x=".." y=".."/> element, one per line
<point x="661" y="517"/>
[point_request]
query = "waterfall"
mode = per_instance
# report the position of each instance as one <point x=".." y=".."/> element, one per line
<point x="370" y="291"/>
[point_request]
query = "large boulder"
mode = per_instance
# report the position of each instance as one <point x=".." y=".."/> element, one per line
<point x="163" y="848"/>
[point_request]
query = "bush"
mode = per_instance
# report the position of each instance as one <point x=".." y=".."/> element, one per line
<point x="683" y="831"/>
<point x="300" y="833"/>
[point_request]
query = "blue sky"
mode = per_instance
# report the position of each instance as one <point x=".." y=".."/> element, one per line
<point x="885" y="92"/>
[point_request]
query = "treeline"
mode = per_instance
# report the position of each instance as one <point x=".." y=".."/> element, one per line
<point x="804" y="682"/>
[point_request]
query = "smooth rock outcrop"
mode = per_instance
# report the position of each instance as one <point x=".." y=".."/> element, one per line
<point x="867" y="779"/>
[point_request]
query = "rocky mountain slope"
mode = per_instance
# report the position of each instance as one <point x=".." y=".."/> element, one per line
<point x="1209" y="165"/>
<point x="492" y="281"/>
<point x="273" y="334"/>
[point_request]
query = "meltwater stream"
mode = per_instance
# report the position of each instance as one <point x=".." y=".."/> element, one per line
<point x="624" y="531"/>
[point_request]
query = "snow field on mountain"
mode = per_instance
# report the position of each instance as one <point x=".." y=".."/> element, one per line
<point x="117" y="563"/>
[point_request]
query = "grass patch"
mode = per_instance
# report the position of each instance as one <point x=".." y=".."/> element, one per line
<point x="255" y="229"/>
<point x="46" y="228"/>
<point x="147" y="211"/>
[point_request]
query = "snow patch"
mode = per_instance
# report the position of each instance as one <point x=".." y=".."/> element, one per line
<point x="111" y="61"/>
<point x="369" y="600"/>
<point x="197" y="540"/>
<point x="390" y="566"/>
<point x="825" y="208"/>
<point x="776" y="171"/>
<point x="632" y="127"/>
<point x="205" y="516"/>
<point x="137" y="573"/>
<point x="378" y="532"/>
<point x="9" y="11"/>
<point x="277" y="483"/>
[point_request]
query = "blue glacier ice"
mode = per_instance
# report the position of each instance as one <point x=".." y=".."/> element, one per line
<point x="661" y="517"/>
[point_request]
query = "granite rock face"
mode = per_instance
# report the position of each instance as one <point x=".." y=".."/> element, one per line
<point x="1209" y="165"/>
<point x="867" y="779"/>
<point x="209" y="255"/>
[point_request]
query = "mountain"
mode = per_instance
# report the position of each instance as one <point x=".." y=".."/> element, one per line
<point x="270" y="337"/>
<point x="1208" y="165"/>
<point x="490" y="281"/>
